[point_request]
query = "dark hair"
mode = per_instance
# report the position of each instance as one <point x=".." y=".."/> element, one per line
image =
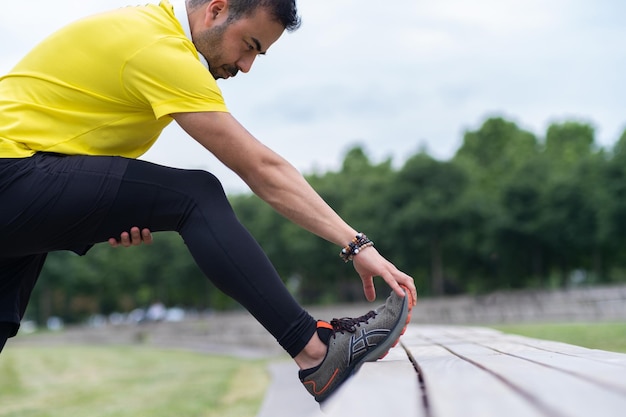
<point x="283" y="11"/>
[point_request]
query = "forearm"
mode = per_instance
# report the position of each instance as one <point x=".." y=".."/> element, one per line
<point x="285" y="189"/>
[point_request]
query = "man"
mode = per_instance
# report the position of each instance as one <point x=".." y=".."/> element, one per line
<point x="77" y="110"/>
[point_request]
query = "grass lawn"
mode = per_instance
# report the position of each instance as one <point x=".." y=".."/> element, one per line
<point x="605" y="336"/>
<point x="74" y="381"/>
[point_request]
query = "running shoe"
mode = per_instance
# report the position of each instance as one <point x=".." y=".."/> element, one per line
<point x="354" y="341"/>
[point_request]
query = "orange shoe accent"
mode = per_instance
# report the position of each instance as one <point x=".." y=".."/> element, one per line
<point x="324" y="325"/>
<point x="412" y="301"/>
<point x="314" y="387"/>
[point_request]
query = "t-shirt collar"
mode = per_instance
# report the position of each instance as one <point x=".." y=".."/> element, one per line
<point x="180" y="11"/>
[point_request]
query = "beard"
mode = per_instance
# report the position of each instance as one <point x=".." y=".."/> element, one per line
<point x="209" y="44"/>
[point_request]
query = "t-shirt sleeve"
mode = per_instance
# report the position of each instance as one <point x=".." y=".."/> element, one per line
<point x="168" y="77"/>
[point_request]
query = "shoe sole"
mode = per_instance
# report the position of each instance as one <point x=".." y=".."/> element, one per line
<point x="406" y="324"/>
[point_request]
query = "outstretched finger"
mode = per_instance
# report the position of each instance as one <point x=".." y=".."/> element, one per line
<point x="402" y="284"/>
<point x="368" y="288"/>
<point x="395" y="286"/>
<point x="409" y="285"/>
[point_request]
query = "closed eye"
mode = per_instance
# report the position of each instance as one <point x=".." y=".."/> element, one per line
<point x="256" y="46"/>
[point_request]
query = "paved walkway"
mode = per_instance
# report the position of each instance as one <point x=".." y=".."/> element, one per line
<point x="286" y="397"/>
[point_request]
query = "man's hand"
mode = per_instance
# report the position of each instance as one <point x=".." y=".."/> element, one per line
<point x="369" y="264"/>
<point x="134" y="238"/>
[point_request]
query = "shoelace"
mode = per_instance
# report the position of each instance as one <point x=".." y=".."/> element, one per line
<point x="349" y="324"/>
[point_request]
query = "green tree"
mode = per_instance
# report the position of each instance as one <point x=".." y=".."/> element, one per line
<point x="574" y="217"/>
<point x="492" y="156"/>
<point x="519" y="233"/>
<point x="492" y="153"/>
<point x="426" y="200"/>
<point x="569" y="142"/>
<point x="614" y="182"/>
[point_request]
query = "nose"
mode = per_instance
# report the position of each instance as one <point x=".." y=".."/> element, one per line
<point x="245" y="63"/>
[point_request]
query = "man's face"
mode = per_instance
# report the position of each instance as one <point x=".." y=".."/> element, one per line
<point x="230" y="47"/>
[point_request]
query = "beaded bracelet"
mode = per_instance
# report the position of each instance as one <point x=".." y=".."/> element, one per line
<point x="358" y="243"/>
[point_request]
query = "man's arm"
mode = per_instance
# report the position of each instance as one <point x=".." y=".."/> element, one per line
<point x="278" y="183"/>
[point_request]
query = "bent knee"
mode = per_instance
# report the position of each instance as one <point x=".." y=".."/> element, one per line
<point x="203" y="181"/>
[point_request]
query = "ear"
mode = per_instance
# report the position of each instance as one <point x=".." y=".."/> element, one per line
<point x="216" y="10"/>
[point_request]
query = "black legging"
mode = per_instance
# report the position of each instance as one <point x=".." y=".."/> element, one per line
<point x="6" y="329"/>
<point x="193" y="203"/>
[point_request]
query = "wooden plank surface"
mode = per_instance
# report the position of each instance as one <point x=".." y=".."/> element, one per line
<point x="455" y="387"/>
<point x="481" y="372"/>
<point x="385" y="388"/>
<point x="451" y="371"/>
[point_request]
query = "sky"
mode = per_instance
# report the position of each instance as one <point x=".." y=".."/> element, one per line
<point x="396" y="77"/>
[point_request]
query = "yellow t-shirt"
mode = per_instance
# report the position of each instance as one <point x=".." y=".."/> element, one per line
<point x="104" y="85"/>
